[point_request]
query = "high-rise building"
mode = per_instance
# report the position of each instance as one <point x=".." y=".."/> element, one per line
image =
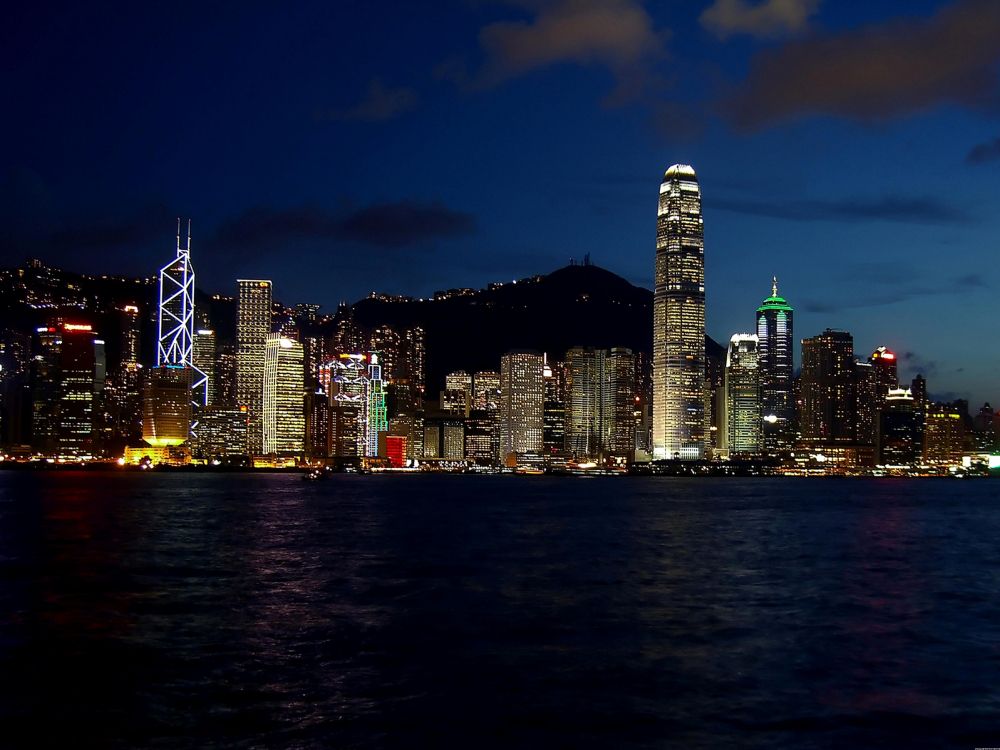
<point x="873" y="380"/>
<point x="480" y="436"/>
<point x="347" y="386"/>
<point x="253" y="326"/>
<point x="828" y="397"/>
<point x="284" y="420"/>
<point x="166" y="405"/>
<point x="452" y="440"/>
<point x="554" y="409"/>
<point x="586" y="412"/>
<point x="897" y="434"/>
<point x="45" y="390"/>
<point x="743" y="396"/>
<point x="679" y="319"/>
<point x="77" y="366"/>
<point x="944" y="435"/>
<point x="774" y="333"/>
<point x="377" y="418"/>
<point x="222" y="432"/>
<point x="522" y="397"/>
<point x="203" y="355"/>
<point x="620" y="397"/>
<point x="175" y="322"/>
<point x="486" y="390"/>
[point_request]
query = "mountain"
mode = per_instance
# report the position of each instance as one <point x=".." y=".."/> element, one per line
<point x="578" y="305"/>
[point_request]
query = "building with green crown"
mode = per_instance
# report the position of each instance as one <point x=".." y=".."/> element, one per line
<point x="774" y="332"/>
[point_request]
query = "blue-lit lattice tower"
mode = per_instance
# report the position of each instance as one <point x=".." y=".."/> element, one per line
<point x="377" y="420"/>
<point x="175" y="330"/>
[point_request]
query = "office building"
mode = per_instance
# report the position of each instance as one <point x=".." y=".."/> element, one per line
<point x="166" y="404"/>
<point x="284" y="421"/>
<point x="828" y="389"/>
<point x="253" y="326"/>
<point x="679" y="423"/>
<point x="742" y="415"/>
<point x="897" y="433"/>
<point x="522" y="398"/>
<point x="774" y="354"/>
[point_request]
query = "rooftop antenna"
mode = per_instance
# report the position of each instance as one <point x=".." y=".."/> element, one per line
<point x="774" y="286"/>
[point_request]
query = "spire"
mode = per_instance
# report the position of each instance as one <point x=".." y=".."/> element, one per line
<point x="774" y="286"/>
<point x="178" y="236"/>
<point x="189" y="236"/>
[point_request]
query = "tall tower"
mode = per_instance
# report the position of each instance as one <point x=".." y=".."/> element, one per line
<point x="679" y="319"/>
<point x="774" y="334"/>
<point x="253" y="326"/>
<point x="742" y="380"/>
<point x="283" y="397"/>
<point x="522" y="403"/>
<point x="828" y="389"/>
<point x="175" y="329"/>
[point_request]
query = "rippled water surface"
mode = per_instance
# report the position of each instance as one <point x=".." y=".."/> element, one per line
<point x="212" y="610"/>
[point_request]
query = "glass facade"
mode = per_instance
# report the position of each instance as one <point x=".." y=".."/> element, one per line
<point x="775" y="351"/>
<point x="679" y="319"/>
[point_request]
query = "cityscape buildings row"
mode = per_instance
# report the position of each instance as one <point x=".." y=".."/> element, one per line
<point x="245" y="379"/>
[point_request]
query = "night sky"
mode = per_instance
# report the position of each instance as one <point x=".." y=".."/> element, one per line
<point x="341" y="147"/>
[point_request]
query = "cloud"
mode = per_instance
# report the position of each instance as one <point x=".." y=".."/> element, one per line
<point x="385" y="225"/>
<point x="877" y="72"/>
<point x="908" y="287"/>
<point x="908" y="209"/>
<point x="380" y="103"/>
<point x="617" y="34"/>
<point x="917" y="364"/>
<point x="984" y="152"/>
<point x="767" y="19"/>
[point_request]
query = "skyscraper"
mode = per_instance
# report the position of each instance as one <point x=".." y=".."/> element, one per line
<point x="586" y="384"/>
<point x="203" y="355"/>
<point x="774" y="352"/>
<point x="253" y="326"/>
<point x="897" y="433"/>
<point x="283" y="402"/>
<point x="742" y="420"/>
<point x="620" y="403"/>
<point x="679" y="319"/>
<point x="77" y="364"/>
<point x="377" y="417"/>
<point x="522" y="396"/>
<point x="828" y="396"/>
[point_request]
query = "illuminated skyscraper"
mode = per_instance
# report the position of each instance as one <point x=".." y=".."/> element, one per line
<point x="347" y="377"/>
<point x="554" y="409"/>
<point x="166" y="405"/>
<point x="486" y="390"/>
<point x="522" y="396"/>
<point x="897" y="433"/>
<point x="284" y="422"/>
<point x="828" y="388"/>
<point x="253" y="326"/>
<point x="203" y="354"/>
<point x="175" y="326"/>
<point x="774" y="334"/>
<point x="586" y="386"/>
<point x="376" y="418"/>
<point x="742" y="419"/>
<point x="77" y="365"/>
<point x="620" y="403"/>
<point x="679" y="319"/>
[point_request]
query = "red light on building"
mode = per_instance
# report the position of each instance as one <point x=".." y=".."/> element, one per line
<point x="395" y="450"/>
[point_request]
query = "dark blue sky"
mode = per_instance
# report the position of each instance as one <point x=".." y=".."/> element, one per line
<point x="405" y="147"/>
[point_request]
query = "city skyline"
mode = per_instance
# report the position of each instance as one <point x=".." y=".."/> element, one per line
<point x="368" y="159"/>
